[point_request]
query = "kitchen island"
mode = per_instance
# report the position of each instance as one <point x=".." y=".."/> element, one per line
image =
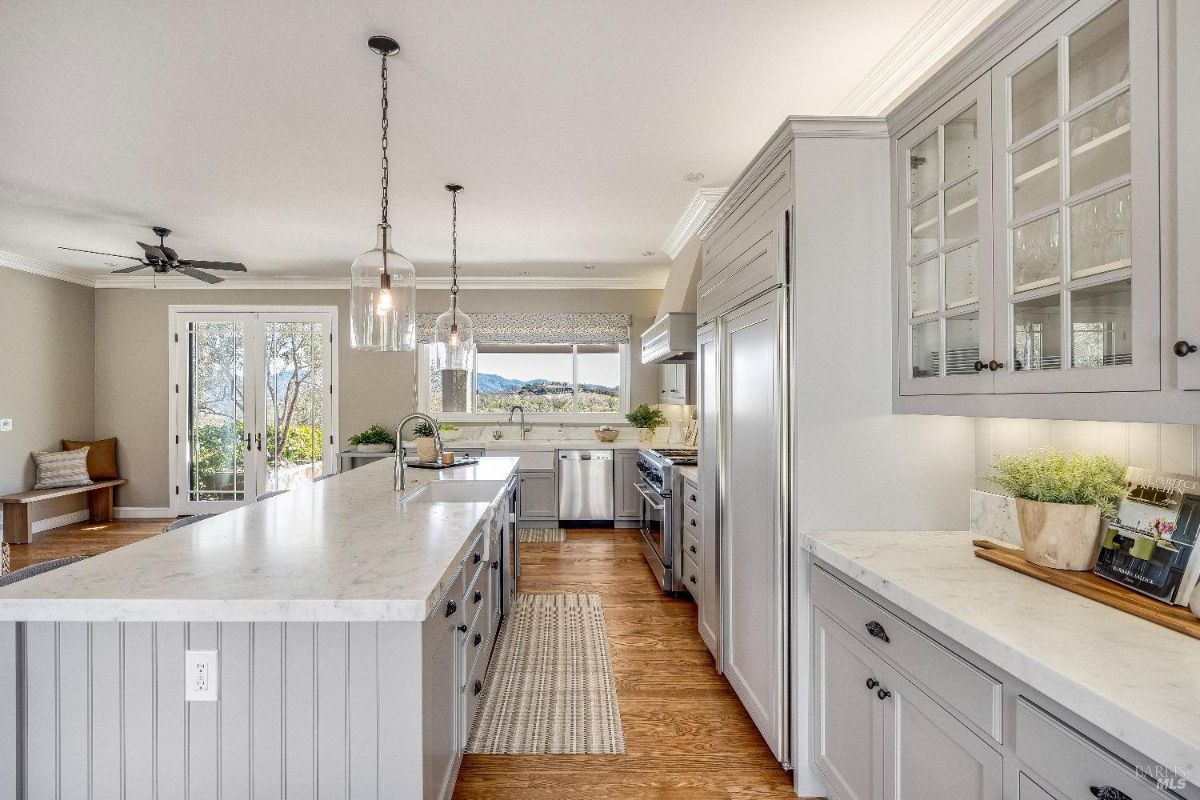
<point x="350" y="627"/>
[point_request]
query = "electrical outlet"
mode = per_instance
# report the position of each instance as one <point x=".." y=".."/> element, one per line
<point x="200" y="672"/>
<point x="5" y="425"/>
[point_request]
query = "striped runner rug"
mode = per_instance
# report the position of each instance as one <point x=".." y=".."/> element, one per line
<point x="542" y="535"/>
<point x="550" y="690"/>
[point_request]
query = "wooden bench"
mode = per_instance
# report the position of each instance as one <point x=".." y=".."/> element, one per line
<point x="18" y="523"/>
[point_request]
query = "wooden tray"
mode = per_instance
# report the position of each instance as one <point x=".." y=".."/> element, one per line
<point x="1090" y="585"/>
<point x="462" y="462"/>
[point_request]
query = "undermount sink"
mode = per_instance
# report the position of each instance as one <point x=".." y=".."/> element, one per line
<point x="455" y="492"/>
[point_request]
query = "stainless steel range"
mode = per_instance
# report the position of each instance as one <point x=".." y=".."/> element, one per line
<point x="660" y="482"/>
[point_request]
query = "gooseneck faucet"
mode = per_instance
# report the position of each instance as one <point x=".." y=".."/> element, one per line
<point x="398" y="479"/>
<point x="524" y="428"/>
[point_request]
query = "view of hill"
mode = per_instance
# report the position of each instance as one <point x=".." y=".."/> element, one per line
<point x="490" y="383"/>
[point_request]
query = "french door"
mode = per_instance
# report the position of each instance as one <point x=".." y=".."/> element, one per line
<point x="254" y="404"/>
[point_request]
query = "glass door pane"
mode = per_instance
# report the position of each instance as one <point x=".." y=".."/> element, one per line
<point x="1035" y="95"/>
<point x="215" y="423"/>
<point x="1099" y="54"/>
<point x="295" y="393"/>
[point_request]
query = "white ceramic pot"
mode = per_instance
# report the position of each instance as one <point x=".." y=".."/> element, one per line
<point x="1059" y="535"/>
<point x="374" y="448"/>
<point x="426" y="448"/>
<point x="645" y="435"/>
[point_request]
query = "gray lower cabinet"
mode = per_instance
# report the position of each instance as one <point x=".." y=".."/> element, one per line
<point x="708" y="616"/>
<point x="627" y="501"/>
<point x="441" y="700"/>
<point x="539" y="495"/>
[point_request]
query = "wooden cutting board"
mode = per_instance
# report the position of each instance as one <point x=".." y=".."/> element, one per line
<point x="1092" y="586"/>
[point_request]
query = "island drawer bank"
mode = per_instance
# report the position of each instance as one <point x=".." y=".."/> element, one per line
<point x="337" y="705"/>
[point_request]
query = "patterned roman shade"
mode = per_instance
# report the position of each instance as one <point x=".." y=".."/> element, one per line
<point x="539" y="328"/>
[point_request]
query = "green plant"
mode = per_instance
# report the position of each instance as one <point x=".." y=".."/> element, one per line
<point x="646" y="417"/>
<point x="446" y="426"/>
<point x="424" y="430"/>
<point x="1052" y="477"/>
<point x="376" y="434"/>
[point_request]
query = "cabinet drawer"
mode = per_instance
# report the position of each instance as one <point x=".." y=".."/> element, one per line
<point x="1073" y="764"/>
<point x="691" y="495"/>
<point x="1028" y="790"/>
<point x="690" y="522"/>
<point x="968" y="690"/>
<point x="691" y="545"/>
<point x="529" y="459"/>
<point x="691" y="575"/>
<point x="476" y="562"/>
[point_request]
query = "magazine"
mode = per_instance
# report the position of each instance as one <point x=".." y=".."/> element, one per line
<point x="1151" y="546"/>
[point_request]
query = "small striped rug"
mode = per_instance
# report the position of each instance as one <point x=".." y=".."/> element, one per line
<point x="542" y="535"/>
<point x="550" y="690"/>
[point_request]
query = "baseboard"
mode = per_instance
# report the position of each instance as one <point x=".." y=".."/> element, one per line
<point x="141" y="512"/>
<point x="46" y="524"/>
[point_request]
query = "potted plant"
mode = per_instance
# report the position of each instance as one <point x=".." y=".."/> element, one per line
<point x="1060" y="502"/>
<point x="646" y="419"/>
<point x="450" y="433"/>
<point x="375" y="439"/>
<point x="425" y="438"/>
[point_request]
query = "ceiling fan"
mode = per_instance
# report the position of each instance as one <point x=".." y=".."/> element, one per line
<point x="163" y="260"/>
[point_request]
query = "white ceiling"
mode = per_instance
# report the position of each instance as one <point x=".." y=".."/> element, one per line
<point x="252" y="128"/>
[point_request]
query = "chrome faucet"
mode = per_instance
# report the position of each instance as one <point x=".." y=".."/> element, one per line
<point x="524" y="428"/>
<point x="398" y="479"/>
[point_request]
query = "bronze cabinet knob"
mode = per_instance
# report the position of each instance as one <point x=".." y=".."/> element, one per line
<point x="1183" y="348"/>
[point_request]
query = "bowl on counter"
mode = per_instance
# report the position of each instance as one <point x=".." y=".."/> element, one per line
<point x="606" y="436"/>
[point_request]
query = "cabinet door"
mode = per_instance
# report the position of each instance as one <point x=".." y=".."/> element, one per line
<point x="441" y="708"/>
<point x="1075" y="148"/>
<point x="628" y="503"/>
<point x="538" y="496"/>
<point x="928" y="753"/>
<point x="848" y="715"/>
<point x="708" y="615"/>
<point x="753" y="523"/>
<point x="1187" y="246"/>
<point x="944" y="249"/>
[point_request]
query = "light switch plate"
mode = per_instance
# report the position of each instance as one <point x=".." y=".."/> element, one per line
<point x="5" y="425"/>
<point x="200" y="673"/>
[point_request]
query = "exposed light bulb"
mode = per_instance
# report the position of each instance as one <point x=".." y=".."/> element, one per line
<point x="454" y="336"/>
<point x="386" y="303"/>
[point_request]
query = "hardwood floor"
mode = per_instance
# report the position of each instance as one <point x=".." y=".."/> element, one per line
<point x="83" y="539"/>
<point x="686" y="734"/>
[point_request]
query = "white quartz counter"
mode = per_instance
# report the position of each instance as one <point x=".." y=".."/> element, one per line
<point x="1136" y="680"/>
<point x="345" y="549"/>
<point x="541" y="444"/>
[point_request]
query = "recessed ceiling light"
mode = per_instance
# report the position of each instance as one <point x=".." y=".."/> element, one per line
<point x="647" y="252"/>
<point x="589" y="266"/>
<point x="693" y="177"/>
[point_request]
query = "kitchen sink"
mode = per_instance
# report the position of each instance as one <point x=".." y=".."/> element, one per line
<point x="456" y="492"/>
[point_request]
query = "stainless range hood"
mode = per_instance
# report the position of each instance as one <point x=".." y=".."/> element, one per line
<point x="671" y="338"/>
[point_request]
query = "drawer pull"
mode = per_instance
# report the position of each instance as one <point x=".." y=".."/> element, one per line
<point x="980" y="366"/>
<point x="1109" y="793"/>
<point x="477" y="558"/>
<point x="451" y="607"/>
<point x="872" y="683"/>
<point x="478" y="596"/>
<point x="478" y="687"/>
<point x="692" y="522"/>
<point x="462" y="628"/>
<point x="876" y="630"/>
<point x="1182" y="348"/>
<point x="478" y="639"/>
<point x="692" y="547"/>
<point x="693" y="498"/>
<point x="495" y="565"/>
<point x="692" y="578"/>
<point x="883" y="694"/>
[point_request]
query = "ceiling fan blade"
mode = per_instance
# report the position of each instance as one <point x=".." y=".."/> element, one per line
<point x="232" y="266"/>
<point x="198" y="275"/>
<point x="171" y="255"/>
<point x="153" y="252"/>
<point x="98" y="253"/>
<point x="129" y="269"/>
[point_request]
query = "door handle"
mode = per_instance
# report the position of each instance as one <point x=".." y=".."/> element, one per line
<point x="1182" y="348"/>
<point x="248" y="445"/>
<point x="883" y="694"/>
<point x="692" y="547"/>
<point x="1108" y="793"/>
<point x="258" y="440"/>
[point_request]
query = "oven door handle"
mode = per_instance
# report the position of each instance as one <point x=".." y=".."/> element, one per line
<point x="642" y="490"/>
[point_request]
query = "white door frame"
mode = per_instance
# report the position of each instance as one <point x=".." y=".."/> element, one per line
<point x="177" y="373"/>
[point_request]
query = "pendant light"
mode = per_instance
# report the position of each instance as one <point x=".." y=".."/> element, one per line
<point x="454" y="332"/>
<point x="383" y="283"/>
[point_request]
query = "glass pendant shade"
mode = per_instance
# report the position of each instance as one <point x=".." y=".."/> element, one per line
<point x="454" y="341"/>
<point x="383" y="298"/>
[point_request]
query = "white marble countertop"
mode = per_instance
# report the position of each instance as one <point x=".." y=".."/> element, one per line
<point x="540" y="444"/>
<point x="345" y="549"/>
<point x="1138" y="681"/>
<point x="691" y="473"/>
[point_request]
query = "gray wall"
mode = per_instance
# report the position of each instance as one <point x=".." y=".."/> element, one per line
<point x="47" y="375"/>
<point x="132" y="363"/>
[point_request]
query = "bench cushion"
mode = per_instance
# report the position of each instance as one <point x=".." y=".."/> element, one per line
<point x="101" y="457"/>
<point x="66" y="468"/>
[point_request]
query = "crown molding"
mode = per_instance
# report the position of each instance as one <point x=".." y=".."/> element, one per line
<point x="44" y="268"/>
<point x="523" y="282"/>
<point x="928" y="42"/>
<point x="702" y="204"/>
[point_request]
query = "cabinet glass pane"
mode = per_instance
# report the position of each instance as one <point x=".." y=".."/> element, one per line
<point x="1101" y="319"/>
<point x="923" y="168"/>
<point x="961" y="136"/>
<point x="926" y="349"/>
<point x="1035" y="95"/>
<point x="962" y="288"/>
<point x="962" y="212"/>
<point x="1100" y="240"/>
<point x="1035" y="176"/>
<point x="925" y="228"/>
<point x="1036" y="254"/>
<point x="1099" y="54"/>
<point x="923" y="280"/>
<point x="1037" y="329"/>
<point x="962" y="344"/>
<point x="1100" y="144"/>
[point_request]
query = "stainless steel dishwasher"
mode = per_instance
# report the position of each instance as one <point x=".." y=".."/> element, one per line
<point x="585" y="485"/>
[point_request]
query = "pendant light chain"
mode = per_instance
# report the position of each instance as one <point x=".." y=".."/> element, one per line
<point x="383" y="103"/>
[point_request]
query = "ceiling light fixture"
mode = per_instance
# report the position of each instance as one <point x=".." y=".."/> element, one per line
<point x="454" y="332"/>
<point x="383" y="283"/>
<point x="693" y="177"/>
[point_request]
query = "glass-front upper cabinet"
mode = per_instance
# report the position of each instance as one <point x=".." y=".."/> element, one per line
<point x="945" y="298"/>
<point x="1075" y="144"/>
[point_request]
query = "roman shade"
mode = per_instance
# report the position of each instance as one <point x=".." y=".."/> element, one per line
<point x="539" y="328"/>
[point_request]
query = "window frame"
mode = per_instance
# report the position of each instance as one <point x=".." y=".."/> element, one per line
<point x="583" y="417"/>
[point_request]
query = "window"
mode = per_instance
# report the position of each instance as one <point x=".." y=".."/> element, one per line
<point x="541" y="378"/>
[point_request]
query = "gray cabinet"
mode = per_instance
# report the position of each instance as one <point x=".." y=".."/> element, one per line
<point x="441" y="706"/>
<point x="848" y="716"/>
<point x="675" y="384"/>
<point x="539" y="495"/>
<point x="627" y="501"/>
<point x="708" y="616"/>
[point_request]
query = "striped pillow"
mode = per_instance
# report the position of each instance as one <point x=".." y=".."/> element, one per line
<point x="67" y="468"/>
